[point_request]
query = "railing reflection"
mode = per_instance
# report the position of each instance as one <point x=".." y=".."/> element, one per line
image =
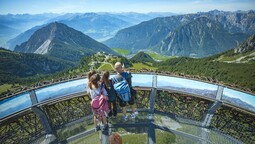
<point x="61" y="90"/>
<point x="14" y="104"/>
<point x="239" y="99"/>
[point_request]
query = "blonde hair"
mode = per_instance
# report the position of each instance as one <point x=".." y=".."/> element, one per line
<point x="118" y="65"/>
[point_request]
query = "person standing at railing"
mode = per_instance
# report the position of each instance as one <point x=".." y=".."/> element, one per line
<point x="107" y="83"/>
<point x="92" y="72"/>
<point x="122" y="84"/>
<point x="99" y="102"/>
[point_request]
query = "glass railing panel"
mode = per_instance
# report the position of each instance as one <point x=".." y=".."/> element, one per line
<point x="187" y="86"/>
<point x="61" y="90"/>
<point x="240" y="99"/>
<point x="141" y="118"/>
<point x="14" y="104"/>
<point x="165" y="137"/>
<point x="74" y="129"/>
<point x="132" y="135"/>
<point x="142" y="80"/>
<point x="92" y="138"/>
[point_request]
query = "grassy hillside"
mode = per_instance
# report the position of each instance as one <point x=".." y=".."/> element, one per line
<point x="157" y="56"/>
<point x="122" y="52"/>
<point x="241" y="74"/>
<point x="139" y="66"/>
<point x="20" y="65"/>
<point x="142" y="57"/>
<point x="107" y="67"/>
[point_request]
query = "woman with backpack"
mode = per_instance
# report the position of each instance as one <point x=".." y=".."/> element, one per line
<point x="107" y="83"/>
<point x="99" y="102"/>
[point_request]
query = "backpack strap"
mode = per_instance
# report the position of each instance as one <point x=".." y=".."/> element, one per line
<point x="115" y="80"/>
<point x="126" y="75"/>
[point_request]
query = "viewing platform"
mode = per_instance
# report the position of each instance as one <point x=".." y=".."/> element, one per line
<point x="171" y="110"/>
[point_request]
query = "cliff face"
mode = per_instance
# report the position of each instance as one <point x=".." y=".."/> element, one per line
<point x="199" y="38"/>
<point x="153" y="34"/>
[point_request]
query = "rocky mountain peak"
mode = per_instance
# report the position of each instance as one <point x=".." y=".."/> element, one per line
<point x="247" y="46"/>
<point x="59" y="40"/>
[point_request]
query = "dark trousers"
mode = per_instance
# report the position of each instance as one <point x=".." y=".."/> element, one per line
<point x="113" y="108"/>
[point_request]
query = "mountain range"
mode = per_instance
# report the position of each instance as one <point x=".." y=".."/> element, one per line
<point x="60" y="41"/>
<point x="14" y="24"/>
<point x="158" y="33"/>
<point x="199" y="38"/>
<point x="99" y="26"/>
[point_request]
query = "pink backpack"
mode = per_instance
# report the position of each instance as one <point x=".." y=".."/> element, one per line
<point x="99" y="105"/>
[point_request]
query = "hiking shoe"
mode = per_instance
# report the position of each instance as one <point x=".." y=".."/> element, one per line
<point x="98" y="128"/>
<point x="134" y="114"/>
<point x="125" y="117"/>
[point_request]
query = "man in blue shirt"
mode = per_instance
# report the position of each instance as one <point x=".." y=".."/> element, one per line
<point x="127" y="75"/>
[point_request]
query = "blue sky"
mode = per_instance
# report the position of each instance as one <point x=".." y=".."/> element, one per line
<point x="143" y="6"/>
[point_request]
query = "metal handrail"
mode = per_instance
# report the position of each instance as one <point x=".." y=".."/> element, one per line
<point x="191" y="94"/>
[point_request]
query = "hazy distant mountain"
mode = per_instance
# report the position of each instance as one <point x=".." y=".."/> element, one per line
<point x="100" y="26"/>
<point x="23" y="22"/>
<point x="61" y="41"/>
<point x="6" y="30"/>
<point x="136" y="18"/>
<point x="199" y="38"/>
<point x="150" y="34"/>
<point x="12" y="25"/>
<point x="95" y="25"/>
<point x="22" y="65"/>
<point x="22" y="37"/>
<point x="238" y="102"/>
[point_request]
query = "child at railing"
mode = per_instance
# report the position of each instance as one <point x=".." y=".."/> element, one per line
<point x="99" y="97"/>
<point x="92" y="72"/>
<point x="107" y="83"/>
